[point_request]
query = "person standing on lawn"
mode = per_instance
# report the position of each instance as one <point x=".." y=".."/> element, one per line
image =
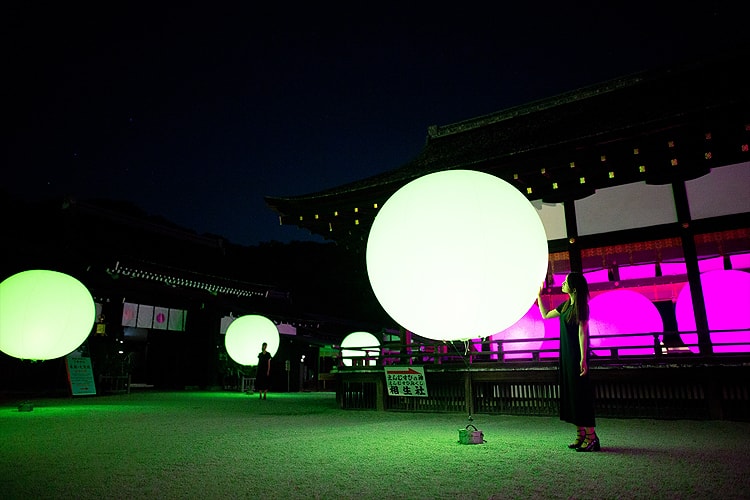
<point x="263" y="373"/>
<point x="576" y="391"/>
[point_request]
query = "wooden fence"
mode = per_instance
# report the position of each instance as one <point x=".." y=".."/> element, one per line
<point x="685" y="390"/>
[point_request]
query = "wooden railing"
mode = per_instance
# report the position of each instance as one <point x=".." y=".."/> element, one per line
<point x="428" y="351"/>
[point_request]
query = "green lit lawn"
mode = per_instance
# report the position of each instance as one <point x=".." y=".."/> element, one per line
<point x="231" y="445"/>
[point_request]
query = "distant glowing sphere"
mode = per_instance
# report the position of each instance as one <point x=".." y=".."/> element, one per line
<point x="726" y="295"/>
<point x="354" y="344"/>
<point x="245" y="336"/>
<point x="456" y="255"/>
<point x="44" y="314"/>
<point x="627" y="313"/>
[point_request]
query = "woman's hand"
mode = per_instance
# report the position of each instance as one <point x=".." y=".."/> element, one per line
<point x="584" y="367"/>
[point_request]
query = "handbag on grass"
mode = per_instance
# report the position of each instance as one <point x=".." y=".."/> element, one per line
<point x="470" y="435"/>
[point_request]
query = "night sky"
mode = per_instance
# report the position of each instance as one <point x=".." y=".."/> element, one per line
<point x="193" y="112"/>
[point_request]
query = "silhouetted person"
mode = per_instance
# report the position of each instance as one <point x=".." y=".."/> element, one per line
<point x="263" y="374"/>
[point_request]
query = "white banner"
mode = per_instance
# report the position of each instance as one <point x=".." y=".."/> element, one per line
<point x="145" y="316"/>
<point x="129" y="314"/>
<point x="161" y="317"/>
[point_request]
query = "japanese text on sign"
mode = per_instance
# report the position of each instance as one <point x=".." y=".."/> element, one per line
<point x="405" y="381"/>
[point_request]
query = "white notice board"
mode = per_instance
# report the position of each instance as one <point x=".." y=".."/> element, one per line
<point x="80" y="375"/>
<point x="406" y="381"/>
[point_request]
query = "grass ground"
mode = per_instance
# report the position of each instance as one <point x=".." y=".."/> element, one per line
<point x="231" y="445"/>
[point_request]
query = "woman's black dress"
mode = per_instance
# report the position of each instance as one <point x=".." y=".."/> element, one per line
<point x="576" y="392"/>
<point x="262" y="379"/>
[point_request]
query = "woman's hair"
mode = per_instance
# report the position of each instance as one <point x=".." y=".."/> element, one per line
<point x="577" y="282"/>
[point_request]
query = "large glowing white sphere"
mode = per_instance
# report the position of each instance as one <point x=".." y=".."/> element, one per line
<point x="245" y="336"/>
<point x="456" y="255"/>
<point x="44" y="314"/>
<point x="360" y="345"/>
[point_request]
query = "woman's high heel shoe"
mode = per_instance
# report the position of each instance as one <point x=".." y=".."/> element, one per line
<point x="591" y="444"/>
<point x="578" y="442"/>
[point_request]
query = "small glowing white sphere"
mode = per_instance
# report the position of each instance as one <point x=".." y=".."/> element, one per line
<point x="360" y="345"/>
<point x="456" y="255"/>
<point x="44" y="314"/>
<point x="245" y="336"/>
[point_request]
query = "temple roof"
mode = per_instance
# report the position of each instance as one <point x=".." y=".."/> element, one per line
<point x="660" y="126"/>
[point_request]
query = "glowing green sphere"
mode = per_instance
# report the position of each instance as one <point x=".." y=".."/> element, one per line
<point x="360" y="345"/>
<point x="457" y="254"/>
<point x="44" y="314"/>
<point x="245" y="336"/>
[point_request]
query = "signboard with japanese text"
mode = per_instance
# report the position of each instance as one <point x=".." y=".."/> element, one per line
<point x="80" y="375"/>
<point x="406" y="381"/>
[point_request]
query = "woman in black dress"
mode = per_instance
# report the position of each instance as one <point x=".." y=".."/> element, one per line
<point x="576" y="391"/>
<point x="263" y="373"/>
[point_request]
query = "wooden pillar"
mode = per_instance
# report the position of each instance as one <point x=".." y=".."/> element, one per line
<point x="468" y="393"/>
<point x="380" y="391"/>
<point x="690" y="253"/>
<point x="571" y="227"/>
<point x="405" y="351"/>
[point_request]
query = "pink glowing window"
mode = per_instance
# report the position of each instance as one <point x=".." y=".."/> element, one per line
<point x="601" y="276"/>
<point x="726" y="295"/>
<point x="712" y="264"/>
<point x="637" y="271"/>
<point x="673" y="268"/>
<point x="741" y="261"/>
